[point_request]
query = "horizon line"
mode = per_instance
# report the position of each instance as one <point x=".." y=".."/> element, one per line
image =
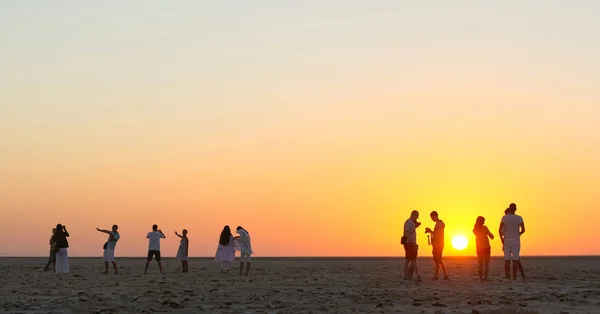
<point x="315" y="257"/>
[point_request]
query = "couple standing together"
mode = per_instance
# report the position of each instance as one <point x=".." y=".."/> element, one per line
<point x="227" y="247"/>
<point x="409" y="240"/>
<point x="511" y="228"/>
<point x="59" y="257"/>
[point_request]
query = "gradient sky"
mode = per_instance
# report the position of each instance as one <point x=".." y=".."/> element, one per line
<point x="317" y="125"/>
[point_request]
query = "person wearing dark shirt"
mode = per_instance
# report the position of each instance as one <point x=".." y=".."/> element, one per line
<point x="484" y="250"/>
<point x="52" y="257"/>
<point x="437" y="241"/>
<point x="61" y="245"/>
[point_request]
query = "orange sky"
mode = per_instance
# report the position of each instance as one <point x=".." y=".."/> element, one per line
<point x="316" y="129"/>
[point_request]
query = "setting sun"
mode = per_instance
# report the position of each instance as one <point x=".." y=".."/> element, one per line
<point x="459" y="242"/>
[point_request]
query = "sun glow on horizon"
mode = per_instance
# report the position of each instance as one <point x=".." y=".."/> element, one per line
<point x="459" y="242"/>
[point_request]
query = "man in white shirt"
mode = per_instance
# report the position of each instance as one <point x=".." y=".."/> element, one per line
<point x="109" y="247"/>
<point x="154" y="247"/>
<point x="512" y="227"/>
<point x="410" y="246"/>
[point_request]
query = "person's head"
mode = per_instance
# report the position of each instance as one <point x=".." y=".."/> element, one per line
<point x="506" y="211"/>
<point x="154" y="227"/>
<point x="225" y="236"/>
<point x="184" y="232"/>
<point x="479" y="222"/>
<point x="53" y="230"/>
<point x="414" y="215"/>
<point x="241" y="228"/>
<point x="512" y="208"/>
<point x="115" y="228"/>
<point x="434" y="216"/>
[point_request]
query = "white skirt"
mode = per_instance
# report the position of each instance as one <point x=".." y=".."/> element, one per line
<point x="109" y="255"/>
<point x="62" y="261"/>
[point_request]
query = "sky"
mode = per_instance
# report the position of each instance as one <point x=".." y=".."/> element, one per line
<point x="316" y="125"/>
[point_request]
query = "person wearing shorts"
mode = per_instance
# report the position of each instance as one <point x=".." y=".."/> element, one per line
<point x="411" y="248"/>
<point x="437" y="242"/>
<point x="511" y="228"/>
<point x="244" y="245"/>
<point x="109" y="247"/>
<point x="154" y="247"/>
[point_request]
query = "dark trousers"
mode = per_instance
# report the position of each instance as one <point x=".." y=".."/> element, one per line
<point x="51" y="259"/>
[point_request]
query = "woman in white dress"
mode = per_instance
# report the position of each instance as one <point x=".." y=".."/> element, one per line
<point x="61" y="244"/>
<point x="182" y="252"/>
<point x="244" y="245"/>
<point x="226" y="250"/>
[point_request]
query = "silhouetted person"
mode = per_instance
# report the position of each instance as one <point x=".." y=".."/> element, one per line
<point x="437" y="242"/>
<point x="182" y="252"/>
<point x="226" y="250"/>
<point x="154" y="247"/>
<point x="61" y="245"/>
<point x="411" y="248"/>
<point x="511" y="229"/>
<point x="245" y="247"/>
<point x="52" y="257"/>
<point x="109" y="247"/>
<point x="484" y="250"/>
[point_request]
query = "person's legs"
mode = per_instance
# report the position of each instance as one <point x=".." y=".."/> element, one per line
<point x="407" y="264"/>
<point x="437" y="270"/>
<point x="444" y="269"/>
<point x="64" y="259"/>
<point x="480" y="264"/>
<point x="515" y="248"/>
<point x="517" y="260"/>
<point x="416" y="269"/>
<point x="440" y="263"/>
<point x="247" y="259"/>
<point x="158" y="260"/>
<point x="51" y="259"/>
<point x="115" y="267"/>
<point x="406" y="268"/>
<point x="58" y="263"/>
<point x="507" y="258"/>
<point x="487" y="267"/>
<point x="107" y="259"/>
<point x="148" y="260"/>
<point x="520" y="265"/>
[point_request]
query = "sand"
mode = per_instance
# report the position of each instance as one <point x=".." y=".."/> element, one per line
<point x="312" y="285"/>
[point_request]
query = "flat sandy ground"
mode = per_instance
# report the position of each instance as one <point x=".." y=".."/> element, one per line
<point x="312" y="285"/>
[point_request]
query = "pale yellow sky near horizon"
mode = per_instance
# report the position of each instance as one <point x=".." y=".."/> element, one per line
<point x="315" y="125"/>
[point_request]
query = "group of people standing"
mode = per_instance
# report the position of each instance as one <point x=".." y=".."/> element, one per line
<point x="228" y="244"/>
<point x="511" y="228"/>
